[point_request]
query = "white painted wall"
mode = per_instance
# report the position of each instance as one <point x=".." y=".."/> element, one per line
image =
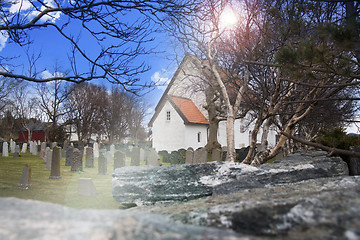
<point x="191" y="136"/>
<point x="243" y="134"/>
<point x="168" y="135"/>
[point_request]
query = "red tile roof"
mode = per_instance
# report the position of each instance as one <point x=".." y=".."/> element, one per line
<point x="189" y="110"/>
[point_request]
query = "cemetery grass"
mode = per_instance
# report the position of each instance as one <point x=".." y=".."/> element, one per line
<point x="62" y="191"/>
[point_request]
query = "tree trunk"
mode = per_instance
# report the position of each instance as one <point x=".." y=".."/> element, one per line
<point x="254" y="133"/>
<point x="213" y="140"/>
<point x="230" y="156"/>
<point x="213" y="123"/>
<point x="265" y="134"/>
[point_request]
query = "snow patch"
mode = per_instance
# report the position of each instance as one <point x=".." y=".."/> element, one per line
<point x="225" y="173"/>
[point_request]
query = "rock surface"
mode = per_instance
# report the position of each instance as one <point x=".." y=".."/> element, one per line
<point x="27" y="219"/>
<point x="149" y="184"/>
<point x="305" y="196"/>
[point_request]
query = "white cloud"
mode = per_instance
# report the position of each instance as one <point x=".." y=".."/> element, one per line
<point x="20" y="6"/>
<point x="28" y="9"/>
<point x="3" y="39"/>
<point x="47" y="74"/>
<point x="161" y="79"/>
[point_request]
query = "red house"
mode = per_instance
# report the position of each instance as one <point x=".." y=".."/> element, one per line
<point x="37" y="133"/>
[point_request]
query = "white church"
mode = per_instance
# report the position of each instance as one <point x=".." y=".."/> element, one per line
<point x="181" y="121"/>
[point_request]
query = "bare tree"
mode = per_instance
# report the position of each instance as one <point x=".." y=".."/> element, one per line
<point x="119" y="30"/>
<point x="204" y="36"/>
<point x="25" y="108"/>
<point x="85" y="106"/>
<point x="52" y="97"/>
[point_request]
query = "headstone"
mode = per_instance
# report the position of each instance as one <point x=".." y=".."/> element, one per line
<point x="43" y="145"/>
<point x="35" y="149"/>
<point x="48" y="154"/>
<point x="165" y="156"/>
<point x="24" y="148"/>
<point x="25" y="181"/>
<point x="17" y="151"/>
<point x="53" y="144"/>
<point x="12" y="146"/>
<point x="96" y="150"/>
<point x="216" y="155"/>
<point x="69" y="155"/>
<point x="200" y="156"/>
<point x="119" y="159"/>
<point x="42" y="153"/>
<point x="109" y="158"/>
<point x="55" y="163"/>
<point x="135" y="157"/>
<point x="86" y="187"/>
<point x="153" y="158"/>
<point x="189" y="156"/>
<point x="89" y="158"/>
<point x="76" y="163"/>
<point x="112" y="150"/>
<point x="5" y="150"/>
<point x="176" y="158"/>
<point x="102" y="164"/>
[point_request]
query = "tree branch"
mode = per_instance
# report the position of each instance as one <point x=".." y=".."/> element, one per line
<point x="326" y="148"/>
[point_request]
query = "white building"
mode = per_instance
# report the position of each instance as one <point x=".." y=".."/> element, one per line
<point x="180" y="119"/>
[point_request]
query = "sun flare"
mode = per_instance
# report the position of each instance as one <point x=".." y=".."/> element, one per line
<point x="228" y="18"/>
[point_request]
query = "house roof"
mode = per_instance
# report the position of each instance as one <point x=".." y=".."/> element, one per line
<point x="188" y="110"/>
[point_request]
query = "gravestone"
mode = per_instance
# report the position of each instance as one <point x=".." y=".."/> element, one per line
<point x="31" y="146"/>
<point x="53" y="144"/>
<point x="109" y="158"/>
<point x="112" y="150"/>
<point x="165" y="156"/>
<point x="76" y="163"/>
<point x="216" y="155"/>
<point x="200" y="156"/>
<point x="35" y="149"/>
<point x="25" y="181"/>
<point x="135" y="157"/>
<point x="24" y="148"/>
<point x="48" y="154"/>
<point x="189" y="156"/>
<point x="96" y="150"/>
<point x="89" y="157"/>
<point x="86" y="187"/>
<point x="17" y="151"/>
<point x="42" y="153"/>
<point x="119" y="159"/>
<point x="102" y="164"/>
<point x="69" y="155"/>
<point x="176" y="158"/>
<point x="153" y="158"/>
<point x="55" y="163"/>
<point x="5" y="150"/>
<point x="12" y="146"/>
<point x="242" y="153"/>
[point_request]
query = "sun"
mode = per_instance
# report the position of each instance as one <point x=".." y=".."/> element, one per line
<point x="228" y="18"/>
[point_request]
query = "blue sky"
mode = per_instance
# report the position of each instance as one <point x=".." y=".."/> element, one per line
<point x="54" y="50"/>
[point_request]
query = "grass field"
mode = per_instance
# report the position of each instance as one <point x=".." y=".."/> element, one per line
<point x="62" y="191"/>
